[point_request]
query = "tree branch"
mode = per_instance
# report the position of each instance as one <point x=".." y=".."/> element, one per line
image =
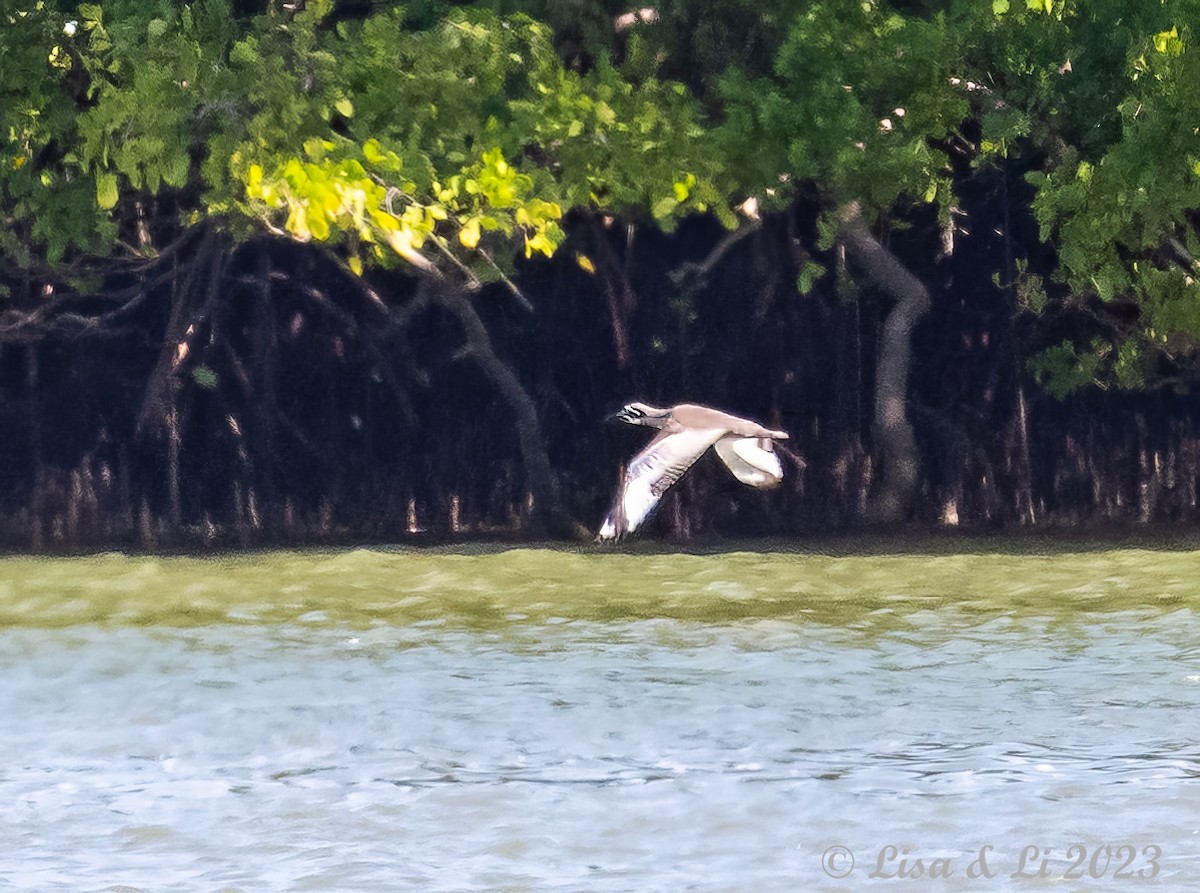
<point x="706" y="266"/>
<point x="540" y="475"/>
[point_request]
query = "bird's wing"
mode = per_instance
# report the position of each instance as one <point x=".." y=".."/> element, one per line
<point x="752" y="460"/>
<point x="692" y="415"/>
<point x="651" y="473"/>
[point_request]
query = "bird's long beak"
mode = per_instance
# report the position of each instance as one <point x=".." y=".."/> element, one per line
<point x="618" y="416"/>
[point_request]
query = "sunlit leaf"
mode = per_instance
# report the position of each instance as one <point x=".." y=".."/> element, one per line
<point x="469" y="234"/>
<point x="106" y="190"/>
<point x="254" y="181"/>
<point x="372" y="151"/>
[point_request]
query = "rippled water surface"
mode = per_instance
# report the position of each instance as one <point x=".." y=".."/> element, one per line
<point x="541" y="720"/>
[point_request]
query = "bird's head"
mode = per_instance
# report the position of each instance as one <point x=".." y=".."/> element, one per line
<point x="641" y="414"/>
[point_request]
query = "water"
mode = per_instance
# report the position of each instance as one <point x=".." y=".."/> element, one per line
<point x="538" y="720"/>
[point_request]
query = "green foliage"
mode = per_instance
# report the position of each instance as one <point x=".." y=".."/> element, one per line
<point x="1030" y="289"/>
<point x="388" y="191"/>
<point x="47" y="196"/>
<point x="147" y="79"/>
<point x="204" y="376"/>
<point x="335" y="196"/>
<point x="866" y="102"/>
<point x="1121" y="211"/>
<point x="464" y="134"/>
<point x="858" y="96"/>
<point x="1062" y="369"/>
<point x="114" y="99"/>
<point x="623" y="147"/>
<point x="810" y="273"/>
<point x="466" y="130"/>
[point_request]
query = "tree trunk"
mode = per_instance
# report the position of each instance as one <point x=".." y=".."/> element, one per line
<point x="896" y="446"/>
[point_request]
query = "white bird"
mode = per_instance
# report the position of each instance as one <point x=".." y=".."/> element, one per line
<point x="685" y="432"/>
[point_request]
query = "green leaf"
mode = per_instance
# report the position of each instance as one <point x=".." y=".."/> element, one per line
<point x="809" y="274"/>
<point x="345" y="107"/>
<point x="999" y="7"/>
<point x="372" y="151"/>
<point x="1168" y="42"/>
<point x="205" y="377"/>
<point x="664" y="207"/>
<point x="106" y="190"/>
<point x="176" y="170"/>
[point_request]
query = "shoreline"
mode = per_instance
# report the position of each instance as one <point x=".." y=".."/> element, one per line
<point x="892" y="541"/>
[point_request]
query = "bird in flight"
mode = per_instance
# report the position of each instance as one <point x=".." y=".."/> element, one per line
<point x="685" y="432"/>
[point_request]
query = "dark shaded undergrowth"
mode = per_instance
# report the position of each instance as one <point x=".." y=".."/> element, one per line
<point x="256" y="395"/>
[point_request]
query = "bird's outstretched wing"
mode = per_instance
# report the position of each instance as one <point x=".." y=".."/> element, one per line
<point x="752" y="460"/>
<point x="650" y="475"/>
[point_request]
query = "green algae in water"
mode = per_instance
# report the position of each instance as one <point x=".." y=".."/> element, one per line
<point x="497" y="588"/>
